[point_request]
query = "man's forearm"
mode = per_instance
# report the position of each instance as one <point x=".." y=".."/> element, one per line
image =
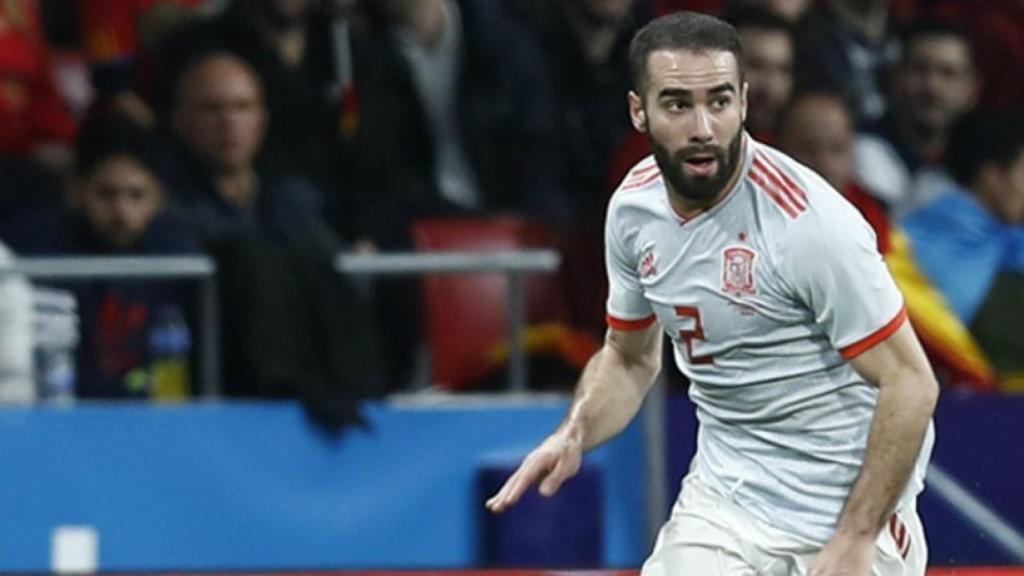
<point x="609" y="394"/>
<point x="897" y="431"/>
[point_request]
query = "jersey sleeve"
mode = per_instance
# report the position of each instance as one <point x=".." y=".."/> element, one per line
<point x="836" y="270"/>
<point x="627" y="308"/>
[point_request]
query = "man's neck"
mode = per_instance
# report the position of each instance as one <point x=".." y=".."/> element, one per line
<point x="596" y="41"/>
<point x="237" y="187"/>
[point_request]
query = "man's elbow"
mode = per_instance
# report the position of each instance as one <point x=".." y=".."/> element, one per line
<point x="925" y="388"/>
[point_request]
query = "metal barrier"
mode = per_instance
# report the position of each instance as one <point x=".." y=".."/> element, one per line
<point x="203" y="269"/>
<point x="199" y="268"/>
<point x="513" y="263"/>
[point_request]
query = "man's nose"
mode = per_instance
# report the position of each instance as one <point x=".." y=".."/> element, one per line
<point x="702" y="126"/>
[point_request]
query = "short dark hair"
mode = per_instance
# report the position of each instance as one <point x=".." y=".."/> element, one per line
<point x="983" y="137"/>
<point x="681" y="30"/>
<point x="105" y="137"/>
<point x="932" y="28"/>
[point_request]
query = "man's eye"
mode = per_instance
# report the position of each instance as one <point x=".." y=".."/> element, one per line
<point x="721" y="103"/>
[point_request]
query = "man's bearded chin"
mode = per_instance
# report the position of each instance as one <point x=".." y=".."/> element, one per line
<point x="698" y="188"/>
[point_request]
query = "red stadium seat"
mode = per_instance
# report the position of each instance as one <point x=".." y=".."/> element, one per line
<point x="465" y="314"/>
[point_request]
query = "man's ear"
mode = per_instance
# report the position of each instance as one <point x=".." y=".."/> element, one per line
<point x="743" y="101"/>
<point x="637" y="115"/>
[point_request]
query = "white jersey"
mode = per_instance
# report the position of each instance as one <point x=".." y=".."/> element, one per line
<point x="765" y="296"/>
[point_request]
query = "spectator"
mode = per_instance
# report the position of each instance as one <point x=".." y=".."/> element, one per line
<point x="768" y="57"/>
<point x="16" y="378"/>
<point x="480" y="134"/>
<point x="289" y="46"/>
<point x="219" y="120"/>
<point x="844" y="46"/>
<point x="586" y="44"/>
<point x="899" y="157"/>
<point x="817" y="130"/>
<point x="970" y="241"/>
<point x="966" y="238"/>
<point x="291" y="324"/>
<point x="467" y="119"/>
<point x="36" y="129"/>
<point x="331" y="93"/>
<point x="33" y="116"/>
<point x="117" y="208"/>
<point x="997" y="32"/>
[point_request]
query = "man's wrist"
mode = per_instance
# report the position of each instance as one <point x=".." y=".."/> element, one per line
<point x="857" y="532"/>
<point x="572" y="430"/>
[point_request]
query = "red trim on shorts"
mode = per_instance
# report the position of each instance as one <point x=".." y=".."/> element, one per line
<point x="900" y="535"/>
<point x="630" y="325"/>
<point x="869" y="341"/>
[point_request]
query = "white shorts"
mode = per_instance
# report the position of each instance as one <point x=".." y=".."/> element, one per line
<point x="710" y="535"/>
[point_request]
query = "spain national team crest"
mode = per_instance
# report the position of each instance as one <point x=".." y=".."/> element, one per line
<point x="738" y="273"/>
<point x="648" y="267"/>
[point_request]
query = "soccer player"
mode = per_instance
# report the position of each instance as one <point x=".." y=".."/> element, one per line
<point x="813" y="395"/>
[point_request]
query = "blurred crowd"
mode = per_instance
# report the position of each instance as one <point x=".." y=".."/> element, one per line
<point x="273" y="134"/>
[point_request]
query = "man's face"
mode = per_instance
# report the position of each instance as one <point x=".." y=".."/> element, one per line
<point x="119" y="199"/>
<point x="692" y="111"/>
<point x="220" y="113"/>
<point x="936" y="82"/>
<point x="1005" y="189"/>
<point x="768" y="62"/>
<point x="818" y="132"/>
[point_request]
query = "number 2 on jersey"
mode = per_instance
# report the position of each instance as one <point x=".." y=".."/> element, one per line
<point x="697" y="333"/>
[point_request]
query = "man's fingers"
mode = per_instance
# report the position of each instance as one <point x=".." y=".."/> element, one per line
<point x="553" y="481"/>
<point x="514" y="487"/>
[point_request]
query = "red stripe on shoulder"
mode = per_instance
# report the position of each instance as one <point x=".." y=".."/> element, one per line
<point x="869" y="341"/>
<point x="641" y="182"/>
<point x="630" y="325"/>
<point x="762" y="183"/>
<point x="786" y="178"/>
<point x="774" y="177"/>
<point x="643" y="169"/>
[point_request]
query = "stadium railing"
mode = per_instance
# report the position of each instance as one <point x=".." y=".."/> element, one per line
<point x="199" y="269"/>
<point x="203" y="270"/>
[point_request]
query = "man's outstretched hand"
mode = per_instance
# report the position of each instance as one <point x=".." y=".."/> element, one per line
<point x="557" y="459"/>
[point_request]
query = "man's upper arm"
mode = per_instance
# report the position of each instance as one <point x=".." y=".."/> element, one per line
<point x="636" y="345"/>
<point x="627" y="308"/>
<point x="836" y="271"/>
<point x="634" y="350"/>
<point x="897" y="359"/>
